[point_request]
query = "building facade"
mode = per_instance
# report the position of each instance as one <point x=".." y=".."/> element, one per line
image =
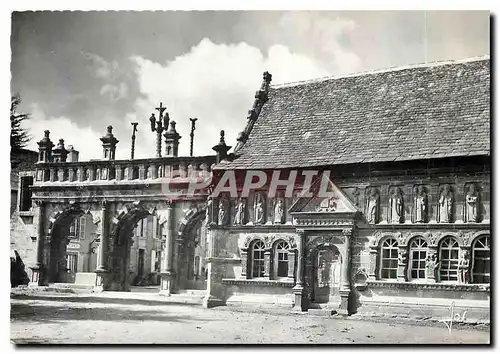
<point x="406" y="153"/>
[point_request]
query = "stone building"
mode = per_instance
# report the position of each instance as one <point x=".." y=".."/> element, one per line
<point x="406" y="224"/>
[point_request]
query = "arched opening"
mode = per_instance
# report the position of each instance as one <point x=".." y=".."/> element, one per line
<point x="327" y="272"/>
<point x="135" y="253"/>
<point x="192" y="247"/>
<point x="72" y="247"/>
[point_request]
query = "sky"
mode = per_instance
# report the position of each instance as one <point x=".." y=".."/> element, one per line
<point x="78" y="72"/>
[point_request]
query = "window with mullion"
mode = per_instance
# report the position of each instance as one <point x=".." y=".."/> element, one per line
<point x="418" y="255"/>
<point x="389" y="259"/>
<point x="258" y="259"/>
<point x="481" y="259"/>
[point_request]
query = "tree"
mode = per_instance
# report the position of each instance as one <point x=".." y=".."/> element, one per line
<point x="19" y="136"/>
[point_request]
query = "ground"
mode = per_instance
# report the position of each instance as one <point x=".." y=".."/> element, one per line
<point x="88" y="319"/>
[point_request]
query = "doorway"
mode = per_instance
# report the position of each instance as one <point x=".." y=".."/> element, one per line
<point x="327" y="275"/>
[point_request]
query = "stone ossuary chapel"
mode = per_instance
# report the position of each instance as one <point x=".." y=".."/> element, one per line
<point x="408" y="156"/>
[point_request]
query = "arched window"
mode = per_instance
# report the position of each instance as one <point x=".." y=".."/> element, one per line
<point x="418" y="255"/>
<point x="258" y="259"/>
<point x="481" y="260"/>
<point x="448" y="258"/>
<point x="281" y="259"/>
<point x="389" y="259"/>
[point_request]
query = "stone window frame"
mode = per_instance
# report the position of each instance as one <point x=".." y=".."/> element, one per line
<point x="419" y="249"/>
<point x="253" y="251"/>
<point x="275" y="259"/>
<point x="395" y="246"/>
<point x="473" y="257"/>
<point x="456" y="260"/>
<point x="269" y="254"/>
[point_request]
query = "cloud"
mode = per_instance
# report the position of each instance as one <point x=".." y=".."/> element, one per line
<point x="85" y="140"/>
<point x="114" y="92"/>
<point x="216" y="83"/>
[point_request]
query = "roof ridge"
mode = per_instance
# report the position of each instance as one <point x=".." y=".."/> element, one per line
<point x="379" y="71"/>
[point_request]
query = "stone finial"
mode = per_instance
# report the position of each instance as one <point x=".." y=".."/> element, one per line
<point x="172" y="140"/>
<point x="110" y="130"/>
<point x="267" y="77"/>
<point x="46" y="134"/>
<point x="61" y="144"/>
<point x="109" y="144"/>
<point x="221" y="149"/>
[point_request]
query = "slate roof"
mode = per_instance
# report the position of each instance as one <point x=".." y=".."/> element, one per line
<point x="421" y="112"/>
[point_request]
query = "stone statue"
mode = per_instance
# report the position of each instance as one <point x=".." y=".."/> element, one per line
<point x="241" y="210"/>
<point x="209" y="211"/>
<point x="323" y="272"/>
<point x="125" y="173"/>
<point x="278" y="211"/>
<point x="78" y="174"/>
<point x="104" y="173"/>
<point x="431" y="264"/>
<point x="472" y="202"/>
<point x="87" y="175"/>
<point x="463" y="266"/>
<point x="259" y="215"/>
<point x="372" y="209"/>
<point x="397" y="206"/>
<point x="421" y="205"/>
<point x="223" y="211"/>
<point x="98" y="174"/>
<point x="445" y="204"/>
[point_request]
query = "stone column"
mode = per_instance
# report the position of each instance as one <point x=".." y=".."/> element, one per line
<point x="291" y="265"/>
<point x="244" y="260"/>
<point x="37" y="270"/>
<point x="298" y="289"/>
<point x="167" y="261"/>
<point x="345" y="287"/>
<point x="102" y="252"/>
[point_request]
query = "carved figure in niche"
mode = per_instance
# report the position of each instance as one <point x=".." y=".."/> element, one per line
<point x="278" y="211"/>
<point x="421" y="205"/>
<point x="209" y="211"/>
<point x="78" y="174"/>
<point x="445" y="204"/>
<point x="463" y="266"/>
<point x="87" y="175"/>
<point x="431" y="264"/>
<point x="223" y="211"/>
<point x="401" y="256"/>
<point x="372" y="208"/>
<point x="259" y="214"/>
<point x="472" y="203"/>
<point x="241" y="210"/>
<point x="397" y="206"/>
<point x="104" y="173"/>
<point x="98" y="174"/>
<point x="356" y="196"/>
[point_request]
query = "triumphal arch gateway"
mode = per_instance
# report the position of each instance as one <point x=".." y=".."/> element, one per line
<point x="406" y="224"/>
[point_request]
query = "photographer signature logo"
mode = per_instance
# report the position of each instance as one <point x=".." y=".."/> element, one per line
<point x="454" y="316"/>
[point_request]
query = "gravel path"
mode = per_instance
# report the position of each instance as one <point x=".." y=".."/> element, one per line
<point x="84" y="319"/>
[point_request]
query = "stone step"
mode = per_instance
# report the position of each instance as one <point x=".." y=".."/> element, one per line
<point x="192" y="292"/>
<point x="323" y="312"/>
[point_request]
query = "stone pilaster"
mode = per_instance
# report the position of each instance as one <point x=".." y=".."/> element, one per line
<point x="372" y="270"/>
<point x="345" y="287"/>
<point x="102" y="266"/>
<point x="267" y="263"/>
<point x="167" y="276"/>
<point x="37" y="270"/>
<point x="53" y="174"/>
<point x="298" y="289"/>
<point x="291" y="264"/>
<point x="244" y="264"/>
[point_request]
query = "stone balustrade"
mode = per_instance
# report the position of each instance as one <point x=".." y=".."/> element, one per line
<point x="124" y="170"/>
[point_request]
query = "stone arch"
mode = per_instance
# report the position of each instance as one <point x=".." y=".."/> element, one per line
<point x="272" y="240"/>
<point x="470" y="238"/>
<point x="191" y="243"/>
<point x="427" y="236"/>
<point x="456" y="235"/>
<point x="250" y="239"/>
<point x="57" y="239"/>
<point x="379" y="237"/>
<point x="129" y="215"/>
